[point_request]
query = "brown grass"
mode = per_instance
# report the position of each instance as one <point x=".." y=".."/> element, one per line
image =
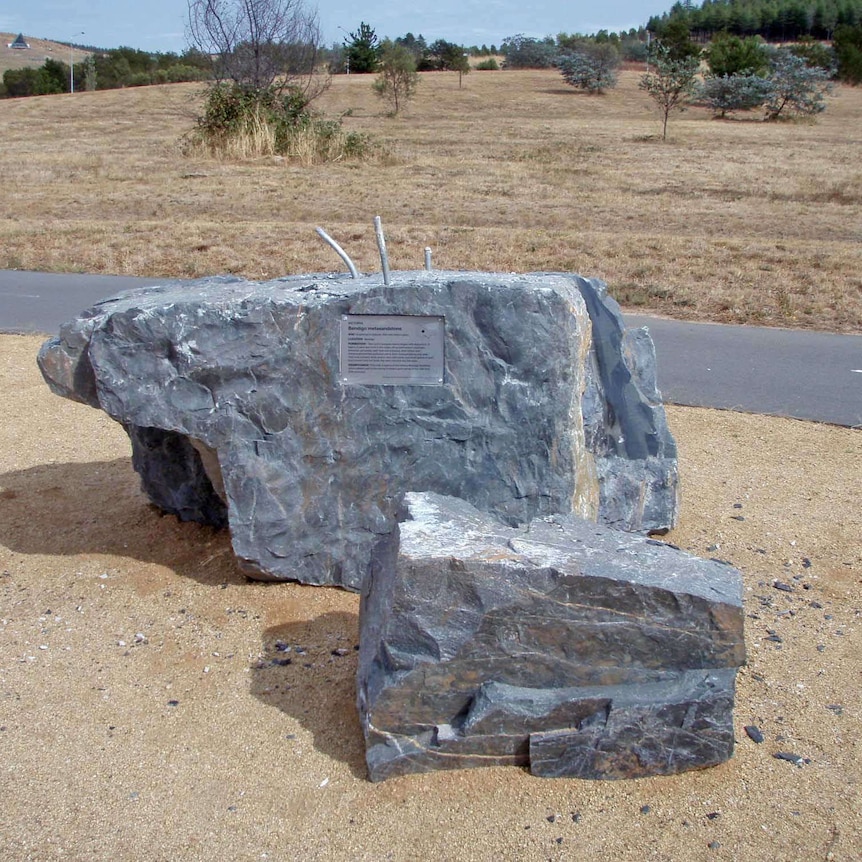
<point x="738" y="221"/>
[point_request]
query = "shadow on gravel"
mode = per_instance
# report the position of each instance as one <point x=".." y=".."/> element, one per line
<point x="97" y="508"/>
<point x="307" y="669"/>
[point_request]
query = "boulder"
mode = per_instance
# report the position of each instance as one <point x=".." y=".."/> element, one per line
<point x="566" y="646"/>
<point x="301" y="410"/>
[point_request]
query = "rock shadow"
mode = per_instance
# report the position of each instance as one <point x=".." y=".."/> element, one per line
<point x="307" y="670"/>
<point x="98" y="508"/>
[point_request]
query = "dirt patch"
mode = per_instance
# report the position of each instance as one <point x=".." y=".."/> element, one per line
<point x="154" y="704"/>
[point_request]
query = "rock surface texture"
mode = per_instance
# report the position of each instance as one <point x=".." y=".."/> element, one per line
<point x="239" y="410"/>
<point x="566" y="646"/>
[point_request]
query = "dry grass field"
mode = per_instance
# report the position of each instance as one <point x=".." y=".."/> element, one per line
<point x="737" y="221"/>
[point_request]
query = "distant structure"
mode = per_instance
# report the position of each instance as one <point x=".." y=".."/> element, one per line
<point x="19" y="43"/>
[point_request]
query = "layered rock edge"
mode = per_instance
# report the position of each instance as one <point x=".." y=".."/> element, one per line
<point x="567" y="647"/>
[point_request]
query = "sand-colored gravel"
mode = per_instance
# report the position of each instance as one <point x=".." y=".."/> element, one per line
<point x="142" y="718"/>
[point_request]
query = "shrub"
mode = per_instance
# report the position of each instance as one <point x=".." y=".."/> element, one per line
<point x="139" y="79"/>
<point x="815" y="54"/>
<point x="241" y="123"/>
<point x="728" y="93"/>
<point x="489" y="65"/>
<point x="796" y="90"/>
<point x="634" y="51"/>
<point x="45" y="80"/>
<point x="592" y="67"/>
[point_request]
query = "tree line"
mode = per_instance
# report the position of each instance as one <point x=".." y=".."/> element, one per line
<point x="106" y="70"/>
<point x="772" y="20"/>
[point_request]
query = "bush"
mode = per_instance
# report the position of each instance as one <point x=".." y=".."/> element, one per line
<point x="634" y="51"/>
<point x="728" y="93"/>
<point x="796" y="90"/>
<point x="489" y="65"/>
<point x="815" y="54"/>
<point x="240" y="123"/>
<point x="47" y="80"/>
<point x="592" y="67"/>
<point x="180" y="72"/>
<point x="139" y="79"/>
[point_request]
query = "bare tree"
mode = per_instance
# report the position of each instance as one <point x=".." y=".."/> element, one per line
<point x="260" y="44"/>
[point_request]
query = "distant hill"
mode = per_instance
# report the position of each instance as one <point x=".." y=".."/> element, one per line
<point x="35" y="56"/>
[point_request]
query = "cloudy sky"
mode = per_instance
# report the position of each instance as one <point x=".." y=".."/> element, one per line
<point x="159" y="25"/>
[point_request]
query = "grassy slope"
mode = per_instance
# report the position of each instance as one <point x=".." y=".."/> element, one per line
<point x="39" y="51"/>
<point x="733" y="221"/>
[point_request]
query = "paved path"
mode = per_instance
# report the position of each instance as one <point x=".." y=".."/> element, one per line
<point x="41" y="301"/>
<point x="756" y="369"/>
<point x="806" y="375"/>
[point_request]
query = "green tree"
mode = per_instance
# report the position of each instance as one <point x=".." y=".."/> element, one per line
<point x="445" y="57"/>
<point x="730" y="55"/>
<point x="54" y="77"/>
<point x="49" y="79"/>
<point x="363" y="50"/>
<point x="90" y="77"/>
<point x="591" y="67"/>
<point x="19" y="82"/>
<point x="416" y="45"/>
<point x="398" y="78"/>
<point x="675" y="36"/>
<point x="848" y="52"/>
<point x="671" y="83"/>
<point x="524" y="52"/>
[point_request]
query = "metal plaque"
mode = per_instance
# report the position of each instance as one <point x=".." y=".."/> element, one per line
<point x="392" y="349"/>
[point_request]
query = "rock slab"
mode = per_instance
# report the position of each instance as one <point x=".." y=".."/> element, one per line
<point x="237" y="410"/>
<point x="566" y="646"/>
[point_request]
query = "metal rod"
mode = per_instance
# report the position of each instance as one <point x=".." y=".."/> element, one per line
<point x="381" y="244"/>
<point x="427" y="258"/>
<point x="339" y="250"/>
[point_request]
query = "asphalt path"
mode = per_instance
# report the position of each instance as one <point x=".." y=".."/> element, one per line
<point x="758" y="369"/>
<point x="806" y="375"/>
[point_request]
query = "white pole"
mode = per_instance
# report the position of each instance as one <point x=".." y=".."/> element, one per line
<point x="381" y="245"/>
<point x="339" y="251"/>
<point x="72" y="64"/>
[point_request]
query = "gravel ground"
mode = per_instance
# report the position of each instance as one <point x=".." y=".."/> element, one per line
<point x="146" y="711"/>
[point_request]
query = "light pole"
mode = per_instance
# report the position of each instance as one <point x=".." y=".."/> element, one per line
<point x="347" y="53"/>
<point x="72" y="63"/>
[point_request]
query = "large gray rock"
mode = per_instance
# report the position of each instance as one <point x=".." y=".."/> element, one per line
<point x="237" y="406"/>
<point x="567" y="646"/>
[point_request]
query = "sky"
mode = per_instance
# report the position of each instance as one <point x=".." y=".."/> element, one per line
<point x="159" y="25"/>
